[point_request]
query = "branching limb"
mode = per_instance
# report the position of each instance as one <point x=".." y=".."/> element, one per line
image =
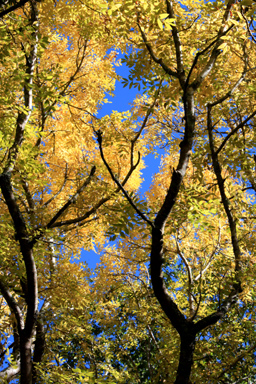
<point x="201" y="53"/>
<point x="190" y="277"/>
<point x="202" y="272"/>
<point x="120" y="186"/>
<point x="132" y="168"/>
<point x="26" y="250"/>
<point x="72" y="200"/>
<point x="154" y="57"/>
<point x="231" y="91"/>
<point x="143" y="125"/>
<point x="151" y="333"/>
<point x="236" y="360"/>
<point x="45" y="111"/>
<point x="9" y="373"/>
<point x="225" y="200"/>
<point x="170" y="308"/>
<point x="79" y="220"/>
<point x="216" y="316"/>
<point x="22" y="235"/>
<point x="81" y="55"/>
<point x="216" y="51"/>
<point x="178" y="45"/>
<point x="23" y="117"/>
<point x="13" y="8"/>
<point x="138" y="134"/>
<point x="60" y="190"/>
<point x="233" y="296"/>
<point x="181" y="254"/>
<point x="247" y="25"/>
<point x="231" y="133"/>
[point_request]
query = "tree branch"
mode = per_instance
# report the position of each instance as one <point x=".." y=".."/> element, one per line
<point x="236" y="360"/>
<point x="216" y="316"/>
<point x="60" y="190"/>
<point x="215" y="52"/>
<point x="26" y="250"/>
<point x="225" y="200"/>
<point x="94" y="209"/>
<point x="72" y="200"/>
<point x="241" y="125"/>
<point x="154" y="57"/>
<point x="200" y="53"/>
<point x="23" y="117"/>
<point x="178" y="46"/>
<point x="39" y="347"/>
<point x="233" y="296"/>
<point x="13" y="7"/>
<point x="9" y="373"/>
<point x="12" y="305"/>
<point x="120" y="186"/>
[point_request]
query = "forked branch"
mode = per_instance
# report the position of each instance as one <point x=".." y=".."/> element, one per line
<point x="119" y="185"/>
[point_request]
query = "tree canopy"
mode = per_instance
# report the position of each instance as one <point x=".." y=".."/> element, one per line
<point x="173" y="297"/>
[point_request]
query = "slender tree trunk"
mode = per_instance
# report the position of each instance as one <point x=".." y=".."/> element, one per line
<point x="39" y="348"/>
<point x="187" y="348"/>
<point x="25" y="360"/>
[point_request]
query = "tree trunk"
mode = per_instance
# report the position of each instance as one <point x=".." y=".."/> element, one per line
<point x="25" y="360"/>
<point x="187" y="348"/>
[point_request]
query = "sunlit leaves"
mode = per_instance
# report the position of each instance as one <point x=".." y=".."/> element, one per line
<point x="107" y="326"/>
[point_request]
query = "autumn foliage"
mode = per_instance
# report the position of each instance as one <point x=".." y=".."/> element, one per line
<point x="173" y="297"/>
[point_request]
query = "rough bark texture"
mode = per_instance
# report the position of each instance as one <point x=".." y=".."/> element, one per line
<point x="187" y="347"/>
<point x="25" y="359"/>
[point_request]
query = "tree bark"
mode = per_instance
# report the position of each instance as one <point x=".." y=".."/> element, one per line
<point x="25" y="359"/>
<point x="187" y="348"/>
